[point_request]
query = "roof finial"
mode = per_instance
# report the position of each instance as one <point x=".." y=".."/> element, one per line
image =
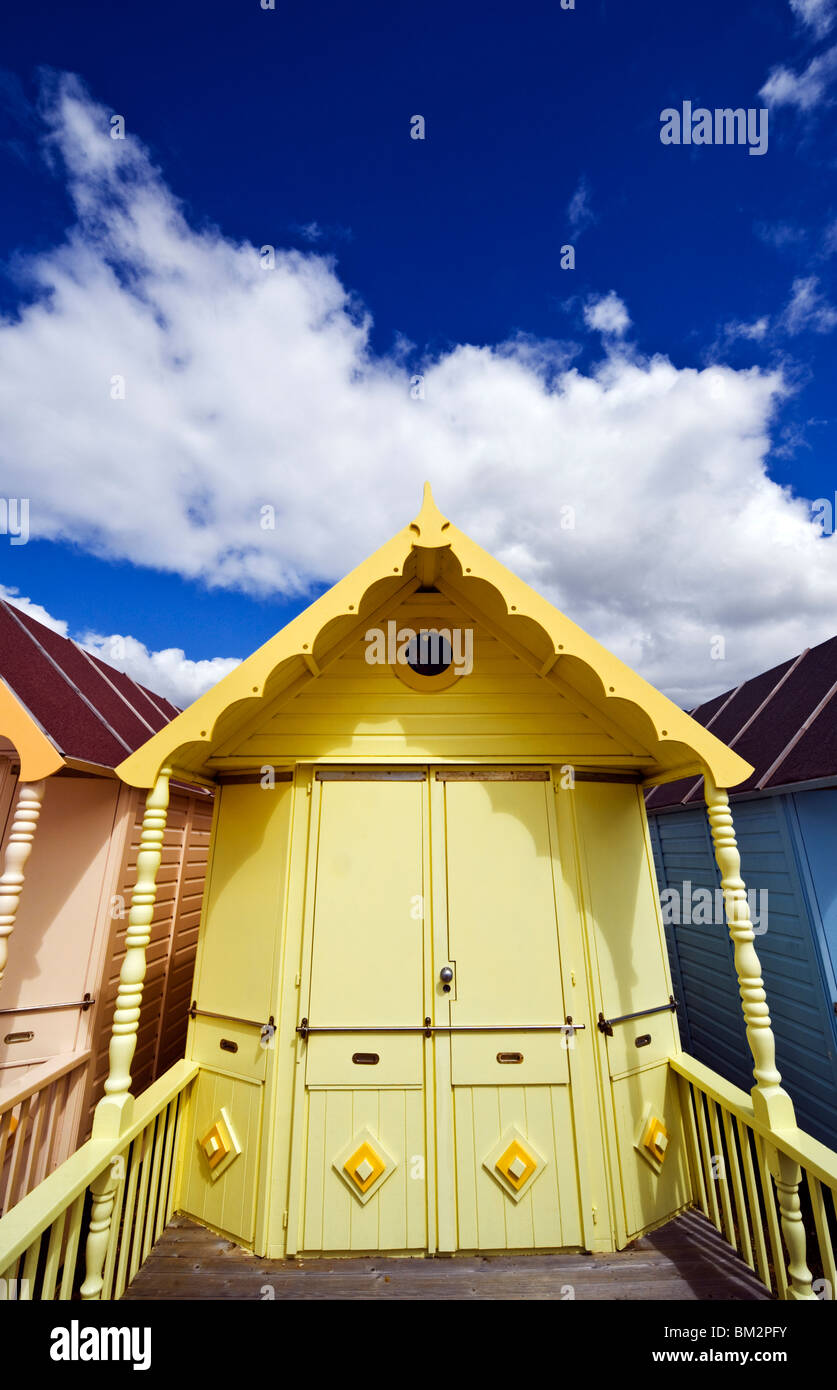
<point x="430" y="524"/>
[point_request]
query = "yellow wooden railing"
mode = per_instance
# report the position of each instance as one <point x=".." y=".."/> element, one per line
<point x="41" y="1256"/>
<point x="737" y="1175"/>
<point x="38" y="1117"/>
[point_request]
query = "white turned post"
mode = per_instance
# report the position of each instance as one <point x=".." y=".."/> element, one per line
<point x="114" y="1111"/>
<point x="771" y="1102"/>
<point x="24" y="824"/>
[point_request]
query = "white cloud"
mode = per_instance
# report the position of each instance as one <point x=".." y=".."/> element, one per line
<point x="607" y="314"/>
<point x="829" y="241"/>
<point x="754" y="332"/>
<point x="311" y="231"/>
<point x="779" y="234"/>
<point x="168" y="672"/>
<point x="808" y="309"/>
<point x="35" y="610"/>
<point x="804" y="90"/>
<point x="579" y="210"/>
<point x="247" y="387"/>
<point x="817" y="14"/>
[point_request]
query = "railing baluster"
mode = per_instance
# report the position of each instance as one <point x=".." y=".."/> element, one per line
<point x="823" y="1234"/>
<point x="153" y="1187"/>
<point x="128" y="1219"/>
<point x="5" y="1131"/>
<point x="18" y="1147"/>
<point x="30" y="1269"/>
<point x="708" y="1167"/>
<point x="723" y="1180"/>
<point x="58" y="1103"/>
<point x="46" y="1113"/>
<point x="737" y="1189"/>
<point x="687" y="1104"/>
<point x="33" y="1156"/>
<point x="71" y="1249"/>
<point x="165" y="1180"/>
<point x="777" y="1249"/>
<point x="142" y="1197"/>
<point x="53" y="1259"/>
<point x="182" y="1103"/>
<point x="745" y="1138"/>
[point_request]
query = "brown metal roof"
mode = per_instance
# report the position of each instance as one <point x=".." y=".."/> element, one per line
<point x="783" y="721"/>
<point x="89" y="711"/>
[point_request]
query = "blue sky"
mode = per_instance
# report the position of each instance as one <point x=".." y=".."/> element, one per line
<point x="674" y="388"/>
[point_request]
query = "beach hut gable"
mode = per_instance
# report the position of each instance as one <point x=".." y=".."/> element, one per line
<point x="571" y="697"/>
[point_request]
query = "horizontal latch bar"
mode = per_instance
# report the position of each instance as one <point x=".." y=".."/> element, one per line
<point x="605" y="1025"/>
<point x="304" y="1029"/>
<point x="195" y="1012"/>
<point x="83" y="1004"/>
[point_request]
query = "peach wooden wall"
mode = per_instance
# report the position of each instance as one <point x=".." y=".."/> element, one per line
<point x="69" y="939"/>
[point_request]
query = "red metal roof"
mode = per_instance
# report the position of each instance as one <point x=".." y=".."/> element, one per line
<point x="87" y="709"/>
<point x="783" y="721"/>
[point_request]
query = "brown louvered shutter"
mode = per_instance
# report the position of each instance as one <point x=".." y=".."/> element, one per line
<point x="170" y="958"/>
<point x="184" y="937"/>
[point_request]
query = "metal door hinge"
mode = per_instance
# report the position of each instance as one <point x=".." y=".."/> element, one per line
<point x="284" y="1220"/>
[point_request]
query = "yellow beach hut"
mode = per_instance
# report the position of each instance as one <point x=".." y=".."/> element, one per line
<point x="432" y="1010"/>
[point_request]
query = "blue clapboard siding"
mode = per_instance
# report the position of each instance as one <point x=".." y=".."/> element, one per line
<point x="816" y="817"/>
<point x="712" y="1025"/>
<point x="702" y="958"/>
<point x="674" y="958"/>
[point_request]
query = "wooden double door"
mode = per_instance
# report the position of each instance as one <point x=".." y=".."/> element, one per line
<point x="433" y="1105"/>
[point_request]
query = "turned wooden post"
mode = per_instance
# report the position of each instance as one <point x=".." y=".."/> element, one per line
<point x="115" y="1110"/>
<point x="126" y="1015"/>
<point x="771" y="1102"/>
<point x="103" y="1192"/>
<point x="24" y="824"/>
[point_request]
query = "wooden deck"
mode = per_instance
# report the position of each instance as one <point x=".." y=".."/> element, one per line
<point x="686" y="1259"/>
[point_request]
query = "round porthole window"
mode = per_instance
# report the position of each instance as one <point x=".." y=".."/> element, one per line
<point x="428" y="661"/>
<point x="429" y="654"/>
